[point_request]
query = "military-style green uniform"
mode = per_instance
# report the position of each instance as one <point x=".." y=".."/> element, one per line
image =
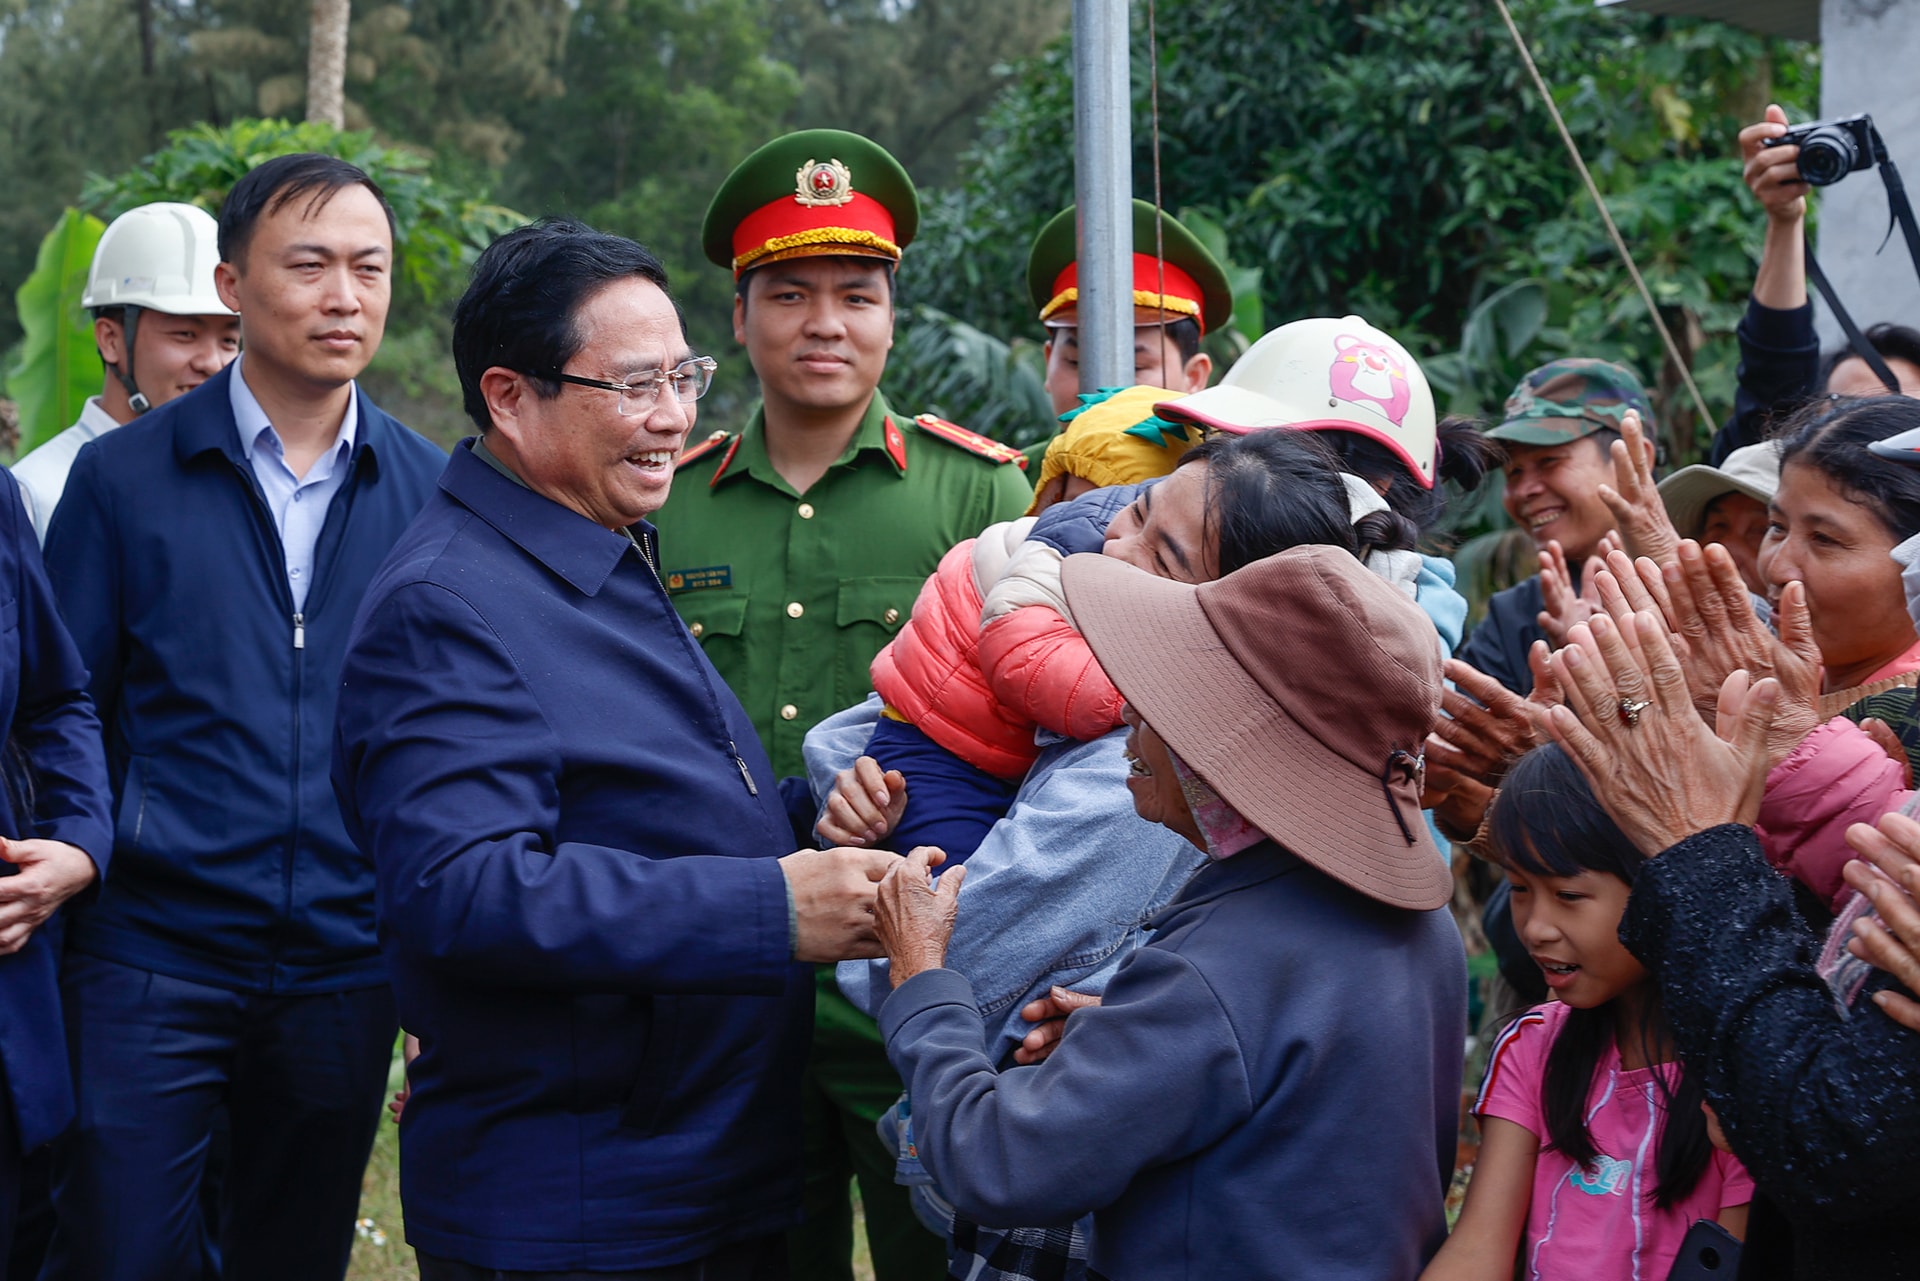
<point x="793" y="595"/>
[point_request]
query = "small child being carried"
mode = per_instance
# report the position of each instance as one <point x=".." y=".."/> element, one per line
<point x="990" y="655"/>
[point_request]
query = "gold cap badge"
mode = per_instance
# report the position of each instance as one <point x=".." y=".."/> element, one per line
<point x="823" y="183"/>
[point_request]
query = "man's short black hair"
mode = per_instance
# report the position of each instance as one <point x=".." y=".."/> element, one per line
<point x="1185" y="336"/>
<point x="1893" y="342"/>
<point x="527" y="290"/>
<point x="271" y="186"/>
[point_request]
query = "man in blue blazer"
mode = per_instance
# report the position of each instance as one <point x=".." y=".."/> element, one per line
<point x="586" y="899"/>
<point x="55" y="839"/>
<point x="209" y="558"/>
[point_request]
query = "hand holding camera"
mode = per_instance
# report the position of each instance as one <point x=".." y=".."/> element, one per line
<point x="1773" y="168"/>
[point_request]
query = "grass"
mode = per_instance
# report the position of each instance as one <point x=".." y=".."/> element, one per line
<point x="381" y="1253"/>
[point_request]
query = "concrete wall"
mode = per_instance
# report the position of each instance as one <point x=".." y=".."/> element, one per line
<point x="1869" y="50"/>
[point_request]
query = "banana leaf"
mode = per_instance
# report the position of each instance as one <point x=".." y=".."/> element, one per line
<point x="58" y="367"/>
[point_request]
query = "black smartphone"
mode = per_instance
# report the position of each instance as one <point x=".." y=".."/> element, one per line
<point x="1709" y="1253"/>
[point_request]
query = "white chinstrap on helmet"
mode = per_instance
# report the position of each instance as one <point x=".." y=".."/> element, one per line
<point x="158" y="257"/>
<point x="1325" y="374"/>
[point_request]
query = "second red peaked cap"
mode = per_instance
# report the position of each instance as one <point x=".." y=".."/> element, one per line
<point x="1301" y="688"/>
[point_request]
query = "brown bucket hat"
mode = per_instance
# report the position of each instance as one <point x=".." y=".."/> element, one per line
<point x="1301" y="688"/>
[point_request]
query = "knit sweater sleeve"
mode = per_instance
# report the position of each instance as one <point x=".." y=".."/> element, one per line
<point x="1823" y="1105"/>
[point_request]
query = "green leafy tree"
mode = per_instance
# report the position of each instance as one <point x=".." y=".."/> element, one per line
<point x="440" y="230"/>
<point x="1390" y="157"/>
<point x="58" y="365"/>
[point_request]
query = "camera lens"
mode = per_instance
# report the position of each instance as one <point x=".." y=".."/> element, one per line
<point x="1827" y="155"/>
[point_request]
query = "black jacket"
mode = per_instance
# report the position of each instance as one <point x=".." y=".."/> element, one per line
<point x="1779" y="372"/>
<point x="1823" y="1107"/>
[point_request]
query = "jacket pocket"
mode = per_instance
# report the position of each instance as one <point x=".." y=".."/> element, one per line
<point x="654" y="1085"/>
<point x="712" y="614"/>
<point x="867" y="614"/>
<point x="130" y="815"/>
<point x="9" y="614"/>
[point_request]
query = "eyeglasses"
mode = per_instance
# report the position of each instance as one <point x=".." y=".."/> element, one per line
<point x="640" y="392"/>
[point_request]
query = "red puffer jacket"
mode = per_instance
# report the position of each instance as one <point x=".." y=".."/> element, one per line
<point x="979" y="691"/>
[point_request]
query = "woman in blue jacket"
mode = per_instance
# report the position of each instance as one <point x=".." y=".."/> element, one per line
<point x="1269" y="1087"/>
<point x="57" y="839"/>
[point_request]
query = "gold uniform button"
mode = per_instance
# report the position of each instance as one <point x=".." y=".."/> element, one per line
<point x="795" y="609"/>
<point x="788" y="712"/>
<point x="696" y="629"/>
<point x="891" y="617"/>
<point x="806" y="511"/>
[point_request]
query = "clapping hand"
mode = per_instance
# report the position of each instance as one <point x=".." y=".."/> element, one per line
<point x="1630" y="725"/>
<point x="1634" y="497"/>
<point x="1890" y="878"/>
<point x="1564" y="607"/>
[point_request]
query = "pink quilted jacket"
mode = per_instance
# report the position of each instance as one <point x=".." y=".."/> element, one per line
<point x="1835" y="778"/>
<point x="979" y="691"/>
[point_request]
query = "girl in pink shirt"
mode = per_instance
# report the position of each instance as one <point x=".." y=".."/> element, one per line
<point x="1595" y="1157"/>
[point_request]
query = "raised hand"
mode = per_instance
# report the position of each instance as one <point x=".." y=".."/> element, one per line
<point x="1630" y="725"/>
<point x="1634" y="497"/>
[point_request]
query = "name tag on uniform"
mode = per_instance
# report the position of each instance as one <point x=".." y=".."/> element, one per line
<point x="692" y="580"/>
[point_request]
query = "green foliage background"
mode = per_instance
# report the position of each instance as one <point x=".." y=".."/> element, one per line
<point x="1379" y="156"/>
<point x="57" y="366"/>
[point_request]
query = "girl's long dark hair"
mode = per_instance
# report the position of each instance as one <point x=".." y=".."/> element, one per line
<point x="1271" y="490"/>
<point x="1545" y="822"/>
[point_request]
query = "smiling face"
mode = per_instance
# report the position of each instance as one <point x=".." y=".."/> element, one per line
<point x="1553" y="492"/>
<point x="1157" y="795"/>
<point x="172" y="354"/>
<point x="1821" y="536"/>
<point x="818" y="331"/>
<point x="1571" y="927"/>
<point x="1164" y="531"/>
<point x="576" y="448"/>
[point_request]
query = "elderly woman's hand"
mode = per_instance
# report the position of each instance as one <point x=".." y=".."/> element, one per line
<point x="913" y="917"/>
<point x="1486" y="727"/>
<point x="1707" y="603"/>
<point x="1891" y="884"/>
<point x="1653" y="763"/>
<point x="1634" y="497"/>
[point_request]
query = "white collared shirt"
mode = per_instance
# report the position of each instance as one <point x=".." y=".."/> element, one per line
<point x="43" y="472"/>
<point x="298" y="503"/>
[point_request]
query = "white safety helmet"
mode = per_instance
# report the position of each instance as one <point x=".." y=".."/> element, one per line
<point x="158" y="257"/>
<point x="1324" y="375"/>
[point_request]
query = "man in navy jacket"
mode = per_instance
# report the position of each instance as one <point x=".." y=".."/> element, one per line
<point x="55" y="835"/>
<point x="209" y="558"/>
<point x="585" y="897"/>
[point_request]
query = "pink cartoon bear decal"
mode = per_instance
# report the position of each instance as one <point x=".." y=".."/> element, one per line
<point x="1367" y="372"/>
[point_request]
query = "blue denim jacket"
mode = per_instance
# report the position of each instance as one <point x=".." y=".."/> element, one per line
<point x="1055" y="894"/>
<point x="1058" y="891"/>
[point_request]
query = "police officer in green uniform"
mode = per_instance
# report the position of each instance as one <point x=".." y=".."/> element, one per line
<point x="1178" y="298"/>
<point x="794" y="550"/>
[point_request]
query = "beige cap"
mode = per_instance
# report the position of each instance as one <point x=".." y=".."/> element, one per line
<point x="1753" y="470"/>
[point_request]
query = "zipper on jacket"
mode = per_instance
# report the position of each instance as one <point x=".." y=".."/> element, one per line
<point x="746" y="775"/>
<point x="299" y="631"/>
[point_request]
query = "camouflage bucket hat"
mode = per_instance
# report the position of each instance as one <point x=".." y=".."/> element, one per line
<point x="1568" y="399"/>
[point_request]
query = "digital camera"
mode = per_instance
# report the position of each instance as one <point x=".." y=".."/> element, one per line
<point x="1831" y="149"/>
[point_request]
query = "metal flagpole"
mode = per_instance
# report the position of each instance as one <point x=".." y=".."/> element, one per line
<point x="1103" y="192"/>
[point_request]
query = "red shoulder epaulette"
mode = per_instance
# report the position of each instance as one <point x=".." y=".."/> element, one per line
<point x="971" y="441"/>
<point x="694" y="453"/>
